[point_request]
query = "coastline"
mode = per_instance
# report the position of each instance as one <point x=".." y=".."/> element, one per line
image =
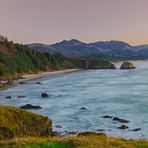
<point x="29" y="77"/>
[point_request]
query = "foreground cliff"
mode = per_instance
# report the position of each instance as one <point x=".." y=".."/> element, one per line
<point x="19" y="123"/>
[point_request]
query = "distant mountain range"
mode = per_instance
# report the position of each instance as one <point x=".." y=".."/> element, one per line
<point x="106" y="49"/>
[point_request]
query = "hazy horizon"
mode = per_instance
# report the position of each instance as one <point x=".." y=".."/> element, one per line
<point x="51" y="21"/>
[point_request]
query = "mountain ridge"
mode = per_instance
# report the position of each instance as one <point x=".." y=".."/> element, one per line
<point x="112" y="48"/>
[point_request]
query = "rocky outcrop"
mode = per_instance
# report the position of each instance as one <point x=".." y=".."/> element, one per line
<point x="120" y="120"/>
<point x="29" y="106"/>
<point x="123" y="127"/>
<point x="100" y="65"/>
<point x="127" y="65"/>
<point x="19" y="123"/>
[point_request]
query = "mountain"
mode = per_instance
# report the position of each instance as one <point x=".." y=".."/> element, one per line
<point x="74" y="48"/>
<point x="115" y="48"/>
<point x="102" y="49"/>
<point x="111" y="45"/>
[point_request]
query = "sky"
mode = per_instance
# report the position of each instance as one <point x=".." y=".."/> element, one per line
<point x="50" y="21"/>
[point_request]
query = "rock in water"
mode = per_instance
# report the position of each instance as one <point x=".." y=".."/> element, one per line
<point x="15" y="123"/>
<point x="44" y="95"/>
<point x="21" y="96"/>
<point x="120" y="120"/>
<point x="38" y="83"/>
<point x="29" y="106"/>
<point x="83" y="108"/>
<point x="123" y="127"/>
<point x="127" y="65"/>
<point x="22" y="83"/>
<point x="107" y="117"/>
<point x="136" y="129"/>
<point x="8" y="97"/>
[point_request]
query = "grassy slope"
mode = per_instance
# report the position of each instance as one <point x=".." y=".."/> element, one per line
<point x="91" y="141"/>
<point x="15" y="122"/>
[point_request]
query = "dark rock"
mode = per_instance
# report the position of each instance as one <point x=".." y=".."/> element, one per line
<point x="21" y="96"/>
<point x="127" y="65"/>
<point x="72" y="133"/>
<point x="29" y="106"/>
<point x="22" y="83"/>
<point x="8" y="97"/>
<point x="123" y="127"/>
<point x="21" y="77"/>
<point x="107" y="117"/>
<point x="83" y="108"/>
<point x="100" y="130"/>
<point x="39" y="83"/>
<point x="90" y="133"/>
<point x="58" y="126"/>
<point x="44" y="95"/>
<point x="120" y="120"/>
<point x="136" y="129"/>
<point x="55" y="133"/>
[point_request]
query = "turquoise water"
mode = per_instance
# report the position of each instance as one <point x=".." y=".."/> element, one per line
<point x="121" y="93"/>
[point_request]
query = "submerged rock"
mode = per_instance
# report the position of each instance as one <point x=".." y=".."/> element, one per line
<point x="107" y="117"/>
<point x="136" y="129"/>
<point x="29" y="106"/>
<point x="120" y="120"/>
<point x="58" y="126"/>
<point x="39" y="83"/>
<point x="8" y="97"/>
<point x="21" y="96"/>
<point x="127" y="65"/>
<point x="101" y="130"/>
<point x="123" y="127"/>
<point x="15" y="123"/>
<point x="83" y="108"/>
<point x="22" y="83"/>
<point x="44" y="95"/>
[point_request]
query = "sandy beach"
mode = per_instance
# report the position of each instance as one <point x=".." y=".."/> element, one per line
<point x="44" y="74"/>
<point x="29" y="77"/>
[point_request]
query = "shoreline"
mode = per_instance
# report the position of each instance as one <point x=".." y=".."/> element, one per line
<point x="30" y="77"/>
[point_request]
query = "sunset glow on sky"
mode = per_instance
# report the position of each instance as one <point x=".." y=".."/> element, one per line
<point x="50" y="21"/>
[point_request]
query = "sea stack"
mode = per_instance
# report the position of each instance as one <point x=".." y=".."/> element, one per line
<point x="127" y="65"/>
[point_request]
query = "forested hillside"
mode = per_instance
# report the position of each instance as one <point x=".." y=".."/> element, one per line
<point x="18" y="59"/>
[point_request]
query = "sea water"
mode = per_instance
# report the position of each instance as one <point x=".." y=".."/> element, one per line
<point x="118" y="93"/>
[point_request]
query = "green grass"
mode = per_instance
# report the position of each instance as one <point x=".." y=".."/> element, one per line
<point x="87" y="141"/>
<point x="49" y="145"/>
